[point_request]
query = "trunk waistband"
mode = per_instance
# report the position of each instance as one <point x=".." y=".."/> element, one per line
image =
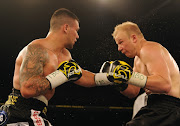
<point x="40" y="97"/>
<point x="37" y="103"/>
<point x="163" y="100"/>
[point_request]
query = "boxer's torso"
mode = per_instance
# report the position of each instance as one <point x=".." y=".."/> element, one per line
<point x="52" y="62"/>
<point x="172" y="66"/>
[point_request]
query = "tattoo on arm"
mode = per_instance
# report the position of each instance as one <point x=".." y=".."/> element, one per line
<point x="31" y="72"/>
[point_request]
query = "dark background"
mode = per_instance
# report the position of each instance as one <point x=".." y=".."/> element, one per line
<point x="22" y="21"/>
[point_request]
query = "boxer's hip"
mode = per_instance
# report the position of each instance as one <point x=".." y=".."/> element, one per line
<point x="162" y="100"/>
<point x="161" y="110"/>
<point x="15" y="99"/>
<point x="20" y="109"/>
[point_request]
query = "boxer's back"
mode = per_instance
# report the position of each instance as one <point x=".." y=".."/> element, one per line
<point x="18" y="63"/>
<point x="174" y="73"/>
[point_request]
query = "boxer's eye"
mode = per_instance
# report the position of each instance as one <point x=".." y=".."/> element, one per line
<point x="120" y="42"/>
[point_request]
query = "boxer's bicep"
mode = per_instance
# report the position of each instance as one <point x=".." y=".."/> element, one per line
<point x="31" y="71"/>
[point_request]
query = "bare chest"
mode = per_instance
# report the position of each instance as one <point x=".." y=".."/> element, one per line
<point x="140" y="67"/>
<point x="53" y="63"/>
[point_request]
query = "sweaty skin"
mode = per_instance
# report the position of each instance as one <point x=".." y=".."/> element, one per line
<point x="161" y="69"/>
<point x="152" y="60"/>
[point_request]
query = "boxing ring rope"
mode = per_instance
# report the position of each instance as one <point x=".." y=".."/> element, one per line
<point x="89" y="107"/>
<point x="92" y="107"/>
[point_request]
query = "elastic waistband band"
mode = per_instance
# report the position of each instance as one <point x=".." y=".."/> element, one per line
<point x="163" y="100"/>
<point x="37" y="103"/>
<point x="41" y="98"/>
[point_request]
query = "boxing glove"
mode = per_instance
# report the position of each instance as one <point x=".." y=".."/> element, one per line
<point x="105" y="69"/>
<point x="66" y="71"/>
<point x="101" y="77"/>
<point x="121" y="72"/>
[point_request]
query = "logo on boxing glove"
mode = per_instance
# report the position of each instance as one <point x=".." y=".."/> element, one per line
<point x="71" y="70"/>
<point x="120" y="72"/>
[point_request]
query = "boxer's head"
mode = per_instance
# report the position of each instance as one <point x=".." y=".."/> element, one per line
<point x="67" y="23"/>
<point x="127" y="36"/>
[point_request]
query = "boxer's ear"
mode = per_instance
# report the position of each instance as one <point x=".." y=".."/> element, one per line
<point x="65" y="28"/>
<point x="133" y="38"/>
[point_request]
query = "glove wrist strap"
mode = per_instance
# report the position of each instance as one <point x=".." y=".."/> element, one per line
<point x="56" y="78"/>
<point x="138" y="79"/>
<point x="101" y="79"/>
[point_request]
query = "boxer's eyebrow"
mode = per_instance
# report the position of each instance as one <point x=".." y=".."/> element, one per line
<point x="119" y="40"/>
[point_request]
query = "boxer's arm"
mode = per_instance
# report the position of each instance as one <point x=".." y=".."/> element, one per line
<point x="87" y="79"/>
<point x="159" y="80"/>
<point x="32" y="81"/>
<point x="131" y="91"/>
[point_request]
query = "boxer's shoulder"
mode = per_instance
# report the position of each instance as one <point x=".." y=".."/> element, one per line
<point x="38" y="47"/>
<point x="37" y="44"/>
<point x="150" y="45"/>
<point x="150" y="49"/>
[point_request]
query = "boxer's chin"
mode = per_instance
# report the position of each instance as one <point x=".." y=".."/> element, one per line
<point x="129" y="55"/>
<point x="69" y="46"/>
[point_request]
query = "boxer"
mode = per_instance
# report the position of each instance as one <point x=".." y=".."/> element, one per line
<point x="40" y="67"/>
<point x="158" y="75"/>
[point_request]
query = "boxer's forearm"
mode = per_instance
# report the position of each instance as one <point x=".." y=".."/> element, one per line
<point x="34" y="86"/>
<point x="158" y="84"/>
<point x="87" y="79"/>
<point x="131" y="91"/>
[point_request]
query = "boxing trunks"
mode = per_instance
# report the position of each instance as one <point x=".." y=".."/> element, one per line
<point x="19" y="111"/>
<point x="161" y="110"/>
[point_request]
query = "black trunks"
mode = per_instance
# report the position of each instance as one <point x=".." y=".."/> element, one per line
<point x="21" y="111"/>
<point x="161" y="110"/>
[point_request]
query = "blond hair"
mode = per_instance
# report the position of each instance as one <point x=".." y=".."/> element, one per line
<point x="129" y="28"/>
